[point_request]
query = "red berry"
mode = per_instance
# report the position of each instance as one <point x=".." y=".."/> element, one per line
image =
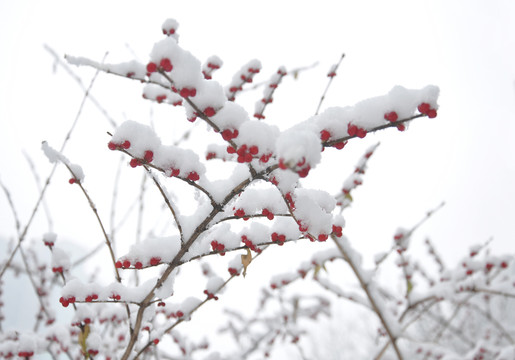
<point x="160" y="98"/>
<point x="155" y="261"/>
<point x="126" y="144"/>
<point x="391" y="116"/>
<point x="187" y="92"/>
<point x="209" y="111"/>
<point x="126" y="264"/>
<point x="231" y="150"/>
<point x="424" y="108"/>
<point x="151" y="67"/>
<point x="72" y="181"/>
<point x="175" y="172"/>
<point x="134" y="163"/>
<point x="138" y="265"/>
<point x="111" y="145"/>
<point x="227" y="134"/>
<point x="322" y="237"/>
<point x="340" y="145"/>
<point x="118" y="264"/>
<point x="239" y="213"/>
<point x="193" y="176"/>
<point x="431" y="113"/>
<point x="401" y="127"/>
<point x="352" y="129"/>
<point x="166" y="64"/>
<point x="155" y="341"/>
<point x="253" y="150"/>
<point x="149" y="156"/>
<point x="361" y="133"/>
<point x="325" y="135"/>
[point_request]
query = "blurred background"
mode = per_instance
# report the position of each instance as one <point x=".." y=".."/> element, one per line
<point x="464" y="157"/>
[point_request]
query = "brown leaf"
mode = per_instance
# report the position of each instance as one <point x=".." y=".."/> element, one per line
<point x="245" y="260"/>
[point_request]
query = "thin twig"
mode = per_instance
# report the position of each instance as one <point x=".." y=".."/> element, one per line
<point x="335" y="67"/>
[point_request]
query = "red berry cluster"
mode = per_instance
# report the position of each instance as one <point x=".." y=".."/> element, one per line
<point x="337" y="230"/>
<point x="91" y="297"/>
<point x="208" y="72"/>
<point x="269" y="214"/>
<point x="58" y="269"/>
<point x="393" y="117"/>
<point x="210" y="155"/>
<point x="169" y="31"/>
<point x="210" y="295"/>
<point x="426" y="109"/>
<point x="164" y="65"/>
<point x="209" y="111"/>
<point x="229" y="134"/>
<point x="240" y="213"/>
<point x="66" y="301"/>
<point x="278" y="238"/>
<point x="246" y="76"/>
<point x="216" y="246"/>
<point x="117" y="146"/>
<point x="246" y="153"/>
<point x="115" y="297"/>
<point x="25" y="354"/>
<point x="188" y="92"/>
<point x="353" y="130"/>
<point x="147" y="158"/>
<point x="233" y="271"/>
<point x="250" y="244"/>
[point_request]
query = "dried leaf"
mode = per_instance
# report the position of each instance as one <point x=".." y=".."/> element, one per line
<point x="317" y="270"/>
<point x="245" y="260"/>
<point x="83" y="336"/>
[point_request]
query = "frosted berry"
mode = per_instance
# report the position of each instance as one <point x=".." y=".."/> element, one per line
<point x="149" y="156"/>
<point x="193" y="176"/>
<point x="134" y="163"/>
<point x="155" y="261"/>
<point x="431" y="113"/>
<point x="268" y="214"/>
<point x="391" y="116"/>
<point x="239" y="213"/>
<point x="424" y="108"/>
<point x="166" y="64"/>
<point x="188" y="92"/>
<point x="151" y="67"/>
<point x="209" y="111"/>
<point x="325" y="135"/>
<point x="322" y="237"/>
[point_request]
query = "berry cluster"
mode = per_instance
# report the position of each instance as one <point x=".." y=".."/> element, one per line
<point x="123" y="146"/>
<point x="354" y="130"/>
<point x="66" y="301"/>
<point x="426" y="109"/>
<point x="216" y="246"/>
<point x="278" y="238"/>
<point x="165" y="65"/>
<point x="148" y="156"/>
<point x="269" y="214"/>
<point x="210" y="295"/>
<point x="250" y="244"/>
<point x="213" y="63"/>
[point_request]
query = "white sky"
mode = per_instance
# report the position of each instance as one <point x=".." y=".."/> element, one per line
<point x="464" y="157"/>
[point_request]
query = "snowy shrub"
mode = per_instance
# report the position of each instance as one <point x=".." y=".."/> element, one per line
<point x="132" y="307"/>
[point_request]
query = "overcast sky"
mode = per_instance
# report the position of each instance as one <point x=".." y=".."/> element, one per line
<point x="464" y="157"/>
